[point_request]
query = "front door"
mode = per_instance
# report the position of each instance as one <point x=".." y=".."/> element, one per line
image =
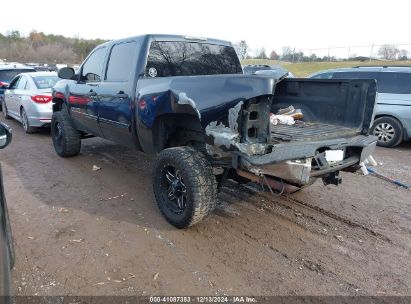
<point x="83" y="99"/>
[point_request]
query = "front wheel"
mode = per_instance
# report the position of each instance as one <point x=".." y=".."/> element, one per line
<point x="184" y="186"/>
<point x="388" y="131"/>
<point x="66" y="139"/>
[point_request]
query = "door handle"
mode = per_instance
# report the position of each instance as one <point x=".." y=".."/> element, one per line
<point x="92" y="93"/>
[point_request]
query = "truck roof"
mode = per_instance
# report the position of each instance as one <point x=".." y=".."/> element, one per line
<point x="166" y="37"/>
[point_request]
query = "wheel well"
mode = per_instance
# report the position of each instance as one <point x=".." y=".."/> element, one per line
<point x="174" y="130"/>
<point x="387" y="115"/>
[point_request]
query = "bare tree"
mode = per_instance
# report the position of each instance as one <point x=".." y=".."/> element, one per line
<point x="241" y="49"/>
<point x="260" y="54"/>
<point x="274" y="55"/>
<point x="388" y="51"/>
<point x="403" y="55"/>
<point x="288" y="53"/>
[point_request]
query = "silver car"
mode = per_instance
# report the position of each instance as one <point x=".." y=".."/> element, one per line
<point x="28" y="99"/>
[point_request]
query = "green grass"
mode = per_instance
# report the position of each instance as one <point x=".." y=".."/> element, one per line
<point x="304" y="69"/>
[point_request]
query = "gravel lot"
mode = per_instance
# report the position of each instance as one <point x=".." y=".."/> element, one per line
<point x="84" y="232"/>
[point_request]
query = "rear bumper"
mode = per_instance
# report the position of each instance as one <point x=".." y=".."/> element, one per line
<point x="293" y="161"/>
<point x="40" y="119"/>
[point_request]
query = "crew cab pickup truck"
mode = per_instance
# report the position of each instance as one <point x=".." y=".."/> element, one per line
<point x="186" y="101"/>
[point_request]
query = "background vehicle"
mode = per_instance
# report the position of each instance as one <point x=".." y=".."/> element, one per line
<point x="28" y="99"/>
<point x="187" y="100"/>
<point x="7" y="73"/>
<point x="392" y="122"/>
<point x="265" y="69"/>
<point x="6" y="239"/>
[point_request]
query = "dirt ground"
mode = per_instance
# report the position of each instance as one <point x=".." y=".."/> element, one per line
<point x="84" y="232"/>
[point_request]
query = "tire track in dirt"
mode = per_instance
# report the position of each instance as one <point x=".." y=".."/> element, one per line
<point x="291" y="203"/>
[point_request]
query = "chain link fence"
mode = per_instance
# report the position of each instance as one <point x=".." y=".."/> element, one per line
<point x="388" y="52"/>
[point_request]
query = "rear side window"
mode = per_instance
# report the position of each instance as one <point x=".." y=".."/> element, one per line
<point x="396" y="83"/>
<point x="327" y="75"/>
<point x="356" y="75"/>
<point x="93" y="67"/>
<point x="181" y="58"/>
<point x="8" y="75"/>
<point x="120" y="62"/>
<point x="22" y="83"/>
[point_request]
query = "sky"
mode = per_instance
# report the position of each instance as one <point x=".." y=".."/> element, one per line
<point x="272" y="24"/>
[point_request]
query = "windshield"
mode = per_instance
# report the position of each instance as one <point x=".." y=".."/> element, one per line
<point x="45" y="82"/>
<point x="8" y="75"/>
<point x="182" y="58"/>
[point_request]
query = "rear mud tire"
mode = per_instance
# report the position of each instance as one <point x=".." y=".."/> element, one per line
<point x="66" y="139"/>
<point x="190" y="169"/>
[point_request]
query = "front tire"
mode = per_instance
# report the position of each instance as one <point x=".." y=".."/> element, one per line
<point x="184" y="186"/>
<point x="388" y="131"/>
<point x="66" y="139"/>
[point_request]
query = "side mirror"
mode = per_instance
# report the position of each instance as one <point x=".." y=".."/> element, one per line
<point x="5" y="135"/>
<point x="5" y="86"/>
<point x="66" y="73"/>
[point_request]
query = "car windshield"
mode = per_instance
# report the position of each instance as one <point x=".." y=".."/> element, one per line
<point x="45" y="82"/>
<point x="8" y="75"/>
<point x="180" y="58"/>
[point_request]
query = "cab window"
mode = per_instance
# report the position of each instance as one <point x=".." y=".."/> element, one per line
<point x="181" y="58"/>
<point x="120" y="62"/>
<point x="93" y="67"/>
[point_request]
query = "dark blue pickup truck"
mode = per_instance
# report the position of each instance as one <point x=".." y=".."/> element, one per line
<point x="187" y="101"/>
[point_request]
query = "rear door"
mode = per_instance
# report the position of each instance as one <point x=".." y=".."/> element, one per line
<point x="115" y="92"/>
<point x="83" y="93"/>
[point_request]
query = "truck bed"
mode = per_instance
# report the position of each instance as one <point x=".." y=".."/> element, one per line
<point x="309" y="131"/>
<point x="331" y="108"/>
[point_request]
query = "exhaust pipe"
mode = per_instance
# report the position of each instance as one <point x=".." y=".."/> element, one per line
<point x="273" y="183"/>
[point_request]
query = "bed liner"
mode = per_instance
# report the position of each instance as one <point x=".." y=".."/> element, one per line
<point x="304" y="131"/>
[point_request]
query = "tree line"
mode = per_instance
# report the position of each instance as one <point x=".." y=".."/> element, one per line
<point x="44" y="48"/>
<point x="386" y="51"/>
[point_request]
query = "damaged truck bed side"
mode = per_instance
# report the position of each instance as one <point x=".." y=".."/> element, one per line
<point x="187" y="101"/>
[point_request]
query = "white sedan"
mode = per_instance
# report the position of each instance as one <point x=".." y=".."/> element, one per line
<point x="28" y="99"/>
